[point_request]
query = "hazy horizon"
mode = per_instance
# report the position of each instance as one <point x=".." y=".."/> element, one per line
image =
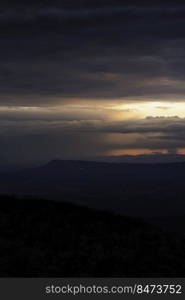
<point x="154" y="158"/>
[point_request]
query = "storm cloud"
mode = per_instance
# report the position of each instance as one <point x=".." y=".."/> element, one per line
<point x="67" y="66"/>
<point x="90" y="50"/>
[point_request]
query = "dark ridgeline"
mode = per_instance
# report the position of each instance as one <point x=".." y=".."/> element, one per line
<point x="58" y="238"/>
<point x="41" y="238"/>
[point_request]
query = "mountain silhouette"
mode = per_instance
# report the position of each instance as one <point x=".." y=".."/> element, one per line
<point x="148" y="190"/>
<point x="41" y="238"/>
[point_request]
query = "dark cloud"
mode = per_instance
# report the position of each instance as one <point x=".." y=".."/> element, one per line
<point x="71" y="50"/>
<point x="61" y="52"/>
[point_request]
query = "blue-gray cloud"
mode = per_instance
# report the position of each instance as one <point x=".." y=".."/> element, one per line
<point x="70" y="50"/>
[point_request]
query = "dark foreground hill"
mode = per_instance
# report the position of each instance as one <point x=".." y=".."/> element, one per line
<point x="41" y="238"/>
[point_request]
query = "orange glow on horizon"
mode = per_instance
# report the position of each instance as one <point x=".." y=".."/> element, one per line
<point x="118" y="152"/>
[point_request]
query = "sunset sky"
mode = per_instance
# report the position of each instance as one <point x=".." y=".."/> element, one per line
<point x="83" y="79"/>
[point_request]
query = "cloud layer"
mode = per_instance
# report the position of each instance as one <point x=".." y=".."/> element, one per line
<point x="91" y="51"/>
<point x="64" y="67"/>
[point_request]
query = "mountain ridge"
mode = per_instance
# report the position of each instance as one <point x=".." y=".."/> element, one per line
<point x="42" y="238"/>
<point x="133" y="189"/>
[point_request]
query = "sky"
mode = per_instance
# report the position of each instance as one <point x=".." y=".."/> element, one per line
<point x="84" y="79"/>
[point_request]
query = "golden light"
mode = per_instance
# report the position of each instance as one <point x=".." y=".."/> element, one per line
<point x="141" y="151"/>
<point x="154" y="109"/>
